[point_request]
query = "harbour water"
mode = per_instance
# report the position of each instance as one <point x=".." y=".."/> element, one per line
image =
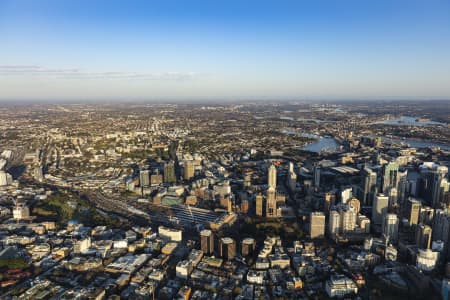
<point x="408" y="121"/>
<point x="416" y="144"/>
<point x="322" y="144"/>
<point x="329" y="144"/>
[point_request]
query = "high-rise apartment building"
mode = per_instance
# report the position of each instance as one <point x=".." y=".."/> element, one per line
<point x="379" y="208"/>
<point x="227" y="248"/>
<point x="259" y="205"/>
<point x="169" y="172"/>
<point x="248" y="246"/>
<point x="317" y="225"/>
<point x="144" y="178"/>
<point x="189" y="170"/>
<point x="207" y="241"/>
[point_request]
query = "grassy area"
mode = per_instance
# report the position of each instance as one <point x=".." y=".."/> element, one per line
<point x="260" y="228"/>
<point x="138" y="154"/>
<point x="64" y="207"/>
<point x="13" y="263"/>
<point x="55" y="208"/>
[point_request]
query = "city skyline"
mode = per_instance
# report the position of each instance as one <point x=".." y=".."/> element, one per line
<point x="111" y="51"/>
<point x="245" y="200"/>
<point x="223" y="150"/>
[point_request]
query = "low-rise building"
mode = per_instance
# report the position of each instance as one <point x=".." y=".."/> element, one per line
<point x="427" y="259"/>
<point x="170" y="233"/>
<point x="340" y="286"/>
<point x="183" y="269"/>
<point x="256" y="277"/>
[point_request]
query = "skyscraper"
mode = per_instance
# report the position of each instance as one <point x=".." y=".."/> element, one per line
<point x="412" y="211"/>
<point x="390" y="177"/>
<point x="291" y="167"/>
<point x="229" y="204"/>
<point x="271" y="203"/>
<point x="156" y="179"/>
<point x="317" y="171"/>
<point x="272" y="177"/>
<point x="292" y="181"/>
<point x="244" y="206"/>
<point x="370" y="186"/>
<point x="426" y="215"/>
<point x="144" y="178"/>
<point x="393" y="197"/>
<point x="227" y="248"/>
<point x="423" y="236"/>
<point x="169" y="172"/>
<point x="207" y="241"/>
<point x="441" y="228"/>
<point x="259" y="205"/>
<point x="364" y="223"/>
<point x="334" y="223"/>
<point x="354" y="204"/>
<point x="188" y="170"/>
<point x="379" y="208"/>
<point x="439" y="185"/>
<point x="390" y="227"/>
<point x="291" y="177"/>
<point x="348" y="219"/>
<point x="247" y="246"/>
<point x="317" y="225"/>
<point x="346" y="194"/>
<point x="403" y="188"/>
<point x="329" y="201"/>
<point x="3" y="178"/>
<point x="247" y="180"/>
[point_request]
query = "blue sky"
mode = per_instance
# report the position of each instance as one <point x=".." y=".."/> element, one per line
<point x="151" y="50"/>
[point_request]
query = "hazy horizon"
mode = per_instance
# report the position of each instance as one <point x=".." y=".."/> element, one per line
<point x="198" y="101"/>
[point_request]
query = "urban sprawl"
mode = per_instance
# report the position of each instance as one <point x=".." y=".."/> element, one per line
<point x="251" y="200"/>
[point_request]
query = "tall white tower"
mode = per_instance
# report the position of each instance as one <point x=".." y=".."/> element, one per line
<point x="390" y="227"/>
<point x="272" y="177"/>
